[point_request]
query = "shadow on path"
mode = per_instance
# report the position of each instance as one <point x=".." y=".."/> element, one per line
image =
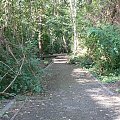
<point x="73" y="95"/>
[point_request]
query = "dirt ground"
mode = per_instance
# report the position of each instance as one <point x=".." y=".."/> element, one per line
<point x="71" y="94"/>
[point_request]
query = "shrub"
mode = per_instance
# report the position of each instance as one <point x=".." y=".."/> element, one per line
<point x="19" y="63"/>
<point x="82" y="61"/>
<point x="104" y="47"/>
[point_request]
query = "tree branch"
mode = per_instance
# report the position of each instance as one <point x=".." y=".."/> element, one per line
<point x="18" y="73"/>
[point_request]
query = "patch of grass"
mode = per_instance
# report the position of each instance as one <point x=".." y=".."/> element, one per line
<point x="105" y="78"/>
<point x="110" y="79"/>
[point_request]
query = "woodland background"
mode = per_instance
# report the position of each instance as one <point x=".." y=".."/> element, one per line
<point x="29" y="29"/>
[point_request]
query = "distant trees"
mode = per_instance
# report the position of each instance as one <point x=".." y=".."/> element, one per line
<point x="29" y="29"/>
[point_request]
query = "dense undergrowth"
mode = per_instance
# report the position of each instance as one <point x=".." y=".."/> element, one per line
<point x="20" y="71"/>
<point x="103" y="53"/>
<point x="28" y="30"/>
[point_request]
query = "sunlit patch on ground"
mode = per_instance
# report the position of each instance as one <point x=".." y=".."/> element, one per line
<point x="61" y="59"/>
<point x="109" y="102"/>
<point x="73" y="94"/>
<point x="96" y="92"/>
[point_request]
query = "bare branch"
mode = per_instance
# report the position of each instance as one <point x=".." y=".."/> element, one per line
<point x="18" y="73"/>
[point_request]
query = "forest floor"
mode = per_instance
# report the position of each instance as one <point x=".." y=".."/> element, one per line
<point x="72" y="93"/>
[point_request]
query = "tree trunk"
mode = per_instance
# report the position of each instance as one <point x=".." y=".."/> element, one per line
<point x="65" y="44"/>
<point x="40" y="41"/>
<point x="73" y="6"/>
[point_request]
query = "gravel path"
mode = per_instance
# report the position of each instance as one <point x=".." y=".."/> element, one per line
<point x="73" y="94"/>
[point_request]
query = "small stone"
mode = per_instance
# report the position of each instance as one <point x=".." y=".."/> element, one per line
<point x="64" y="117"/>
<point x="43" y="104"/>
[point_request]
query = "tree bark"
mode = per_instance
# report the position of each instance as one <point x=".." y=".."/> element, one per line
<point x="73" y="6"/>
<point x="40" y="41"/>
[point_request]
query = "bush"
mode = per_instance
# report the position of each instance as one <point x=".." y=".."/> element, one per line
<point x="82" y="61"/>
<point x="104" y="48"/>
<point x="19" y="62"/>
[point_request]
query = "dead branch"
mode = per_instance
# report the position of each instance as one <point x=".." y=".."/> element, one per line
<point x="9" y="49"/>
<point x="18" y="73"/>
<point x="7" y="66"/>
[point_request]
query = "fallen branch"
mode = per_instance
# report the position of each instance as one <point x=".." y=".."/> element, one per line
<point x="7" y="66"/>
<point x="9" y="49"/>
<point x="6" y="95"/>
<point x="3" y="76"/>
<point x="18" y="73"/>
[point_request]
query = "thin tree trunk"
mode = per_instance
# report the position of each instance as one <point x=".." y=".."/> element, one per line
<point x="65" y="44"/>
<point x="73" y="5"/>
<point x="40" y="41"/>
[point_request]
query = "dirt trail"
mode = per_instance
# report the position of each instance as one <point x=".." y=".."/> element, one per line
<point x="73" y="95"/>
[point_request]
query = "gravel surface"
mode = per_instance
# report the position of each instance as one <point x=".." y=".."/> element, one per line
<point x="72" y="94"/>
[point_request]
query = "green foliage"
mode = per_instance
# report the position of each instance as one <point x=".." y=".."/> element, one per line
<point x="104" y="48"/>
<point x="29" y="77"/>
<point x="23" y="25"/>
<point x="82" y="61"/>
<point x="19" y="49"/>
<point x="110" y="79"/>
<point x="60" y="33"/>
<point x="103" y="52"/>
<point x="101" y="38"/>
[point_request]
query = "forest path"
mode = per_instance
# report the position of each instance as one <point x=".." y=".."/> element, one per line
<point x="73" y="95"/>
